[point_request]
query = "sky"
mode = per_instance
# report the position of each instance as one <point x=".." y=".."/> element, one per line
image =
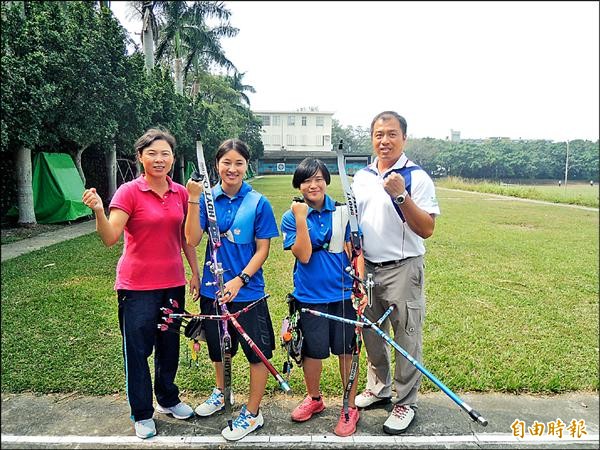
<point x="526" y="70"/>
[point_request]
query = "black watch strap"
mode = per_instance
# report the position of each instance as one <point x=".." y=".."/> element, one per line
<point x="244" y="277"/>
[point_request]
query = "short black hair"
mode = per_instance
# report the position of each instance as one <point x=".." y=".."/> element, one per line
<point x="151" y="135"/>
<point x="307" y="168"/>
<point x="386" y="115"/>
<point x="233" y="144"/>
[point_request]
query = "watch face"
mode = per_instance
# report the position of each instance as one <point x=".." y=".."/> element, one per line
<point x="400" y="199"/>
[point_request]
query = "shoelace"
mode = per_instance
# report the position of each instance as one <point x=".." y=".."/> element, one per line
<point x="215" y="398"/>
<point x="343" y="415"/>
<point x="306" y="403"/>
<point x="242" y="418"/>
<point x="400" y="411"/>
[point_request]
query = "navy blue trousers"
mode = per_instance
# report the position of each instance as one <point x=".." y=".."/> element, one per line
<point x="139" y="315"/>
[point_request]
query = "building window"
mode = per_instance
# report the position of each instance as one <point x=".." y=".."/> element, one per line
<point x="276" y="140"/>
<point x="291" y="121"/>
<point x="290" y="139"/>
<point x="266" y="121"/>
<point x="326" y="140"/>
<point x="275" y="121"/>
<point x="303" y="121"/>
<point x="320" y="121"/>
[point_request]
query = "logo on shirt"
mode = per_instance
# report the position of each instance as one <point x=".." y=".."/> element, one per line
<point x="237" y="231"/>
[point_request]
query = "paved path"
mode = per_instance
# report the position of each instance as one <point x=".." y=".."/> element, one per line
<point x="19" y="248"/>
<point x="75" y="421"/>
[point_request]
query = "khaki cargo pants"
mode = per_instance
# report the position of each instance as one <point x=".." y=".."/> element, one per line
<point x="400" y="284"/>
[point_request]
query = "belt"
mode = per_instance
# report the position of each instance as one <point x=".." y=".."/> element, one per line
<point x="387" y="263"/>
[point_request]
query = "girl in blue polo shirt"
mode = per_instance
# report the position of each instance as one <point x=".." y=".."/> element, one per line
<point x="317" y="232"/>
<point x="247" y="224"/>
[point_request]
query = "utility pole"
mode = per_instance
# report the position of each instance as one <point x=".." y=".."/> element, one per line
<point x="567" y="165"/>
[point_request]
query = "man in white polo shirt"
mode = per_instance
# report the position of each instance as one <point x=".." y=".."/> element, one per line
<point x="397" y="207"/>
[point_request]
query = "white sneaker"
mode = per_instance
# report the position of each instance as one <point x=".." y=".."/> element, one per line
<point x="245" y="424"/>
<point x="215" y="402"/>
<point x="179" y="411"/>
<point x="367" y="398"/>
<point x="145" y="429"/>
<point x="399" y="420"/>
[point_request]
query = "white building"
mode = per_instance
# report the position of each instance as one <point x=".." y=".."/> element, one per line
<point x="304" y="130"/>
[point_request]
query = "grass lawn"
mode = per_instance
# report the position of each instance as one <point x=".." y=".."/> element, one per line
<point x="575" y="193"/>
<point x="512" y="305"/>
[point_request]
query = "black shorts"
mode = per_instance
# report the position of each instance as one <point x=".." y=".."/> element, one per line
<point x="322" y="335"/>
<point x="256" y="323"/>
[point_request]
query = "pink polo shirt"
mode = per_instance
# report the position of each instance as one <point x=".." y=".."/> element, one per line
<point x="151" y="256"/>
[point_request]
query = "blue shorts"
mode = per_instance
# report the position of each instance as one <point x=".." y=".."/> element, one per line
<point x="322" y="335"/>
<point x="256" y="323"/>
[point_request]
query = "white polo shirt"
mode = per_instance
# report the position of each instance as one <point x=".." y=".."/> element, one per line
<point x="386" y="236"/>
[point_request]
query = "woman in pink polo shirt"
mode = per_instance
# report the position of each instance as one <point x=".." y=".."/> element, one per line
<point x="150" y="211"/>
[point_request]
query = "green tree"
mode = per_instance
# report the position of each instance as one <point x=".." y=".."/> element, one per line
<point x="32" y="68"/>
<point x="94" y="81"/>
<point x="238" y="85"/>
<point x="186" y="35"/>
<point x="134" y="112"/>
<point x="356" y="139"/>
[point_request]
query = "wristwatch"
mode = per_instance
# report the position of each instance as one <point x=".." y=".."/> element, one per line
<point x="245" y="278"/>
<point x="401" y="198"/>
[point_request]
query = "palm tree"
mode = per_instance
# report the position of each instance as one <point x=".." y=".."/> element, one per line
<point x="238" y="85"/>
<point x="149" y="13"/>
<point x="186" y="34"/>
<point x="149" y="30"/>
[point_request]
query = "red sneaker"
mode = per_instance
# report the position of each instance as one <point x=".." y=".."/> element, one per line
<point x="307" y="408"/>
<point x="347" y="427"/>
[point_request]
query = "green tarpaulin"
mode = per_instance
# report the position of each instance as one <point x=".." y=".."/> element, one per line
<point x="189" y="168"/>
<point x="57" y="189"/>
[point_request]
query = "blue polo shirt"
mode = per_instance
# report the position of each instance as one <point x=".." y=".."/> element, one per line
<point x="235" y="257"/>
<point x="323" y="279"/>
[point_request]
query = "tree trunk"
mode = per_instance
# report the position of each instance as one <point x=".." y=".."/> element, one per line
<point x="195" y="89"/>
<point x="148" y="40"/>
<point x="178" y="76"/>
<point x="25" y="187"/>
<point x="181" y="169"/>
<point x="111" y="170"/>
<point x="78" y="163"/>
